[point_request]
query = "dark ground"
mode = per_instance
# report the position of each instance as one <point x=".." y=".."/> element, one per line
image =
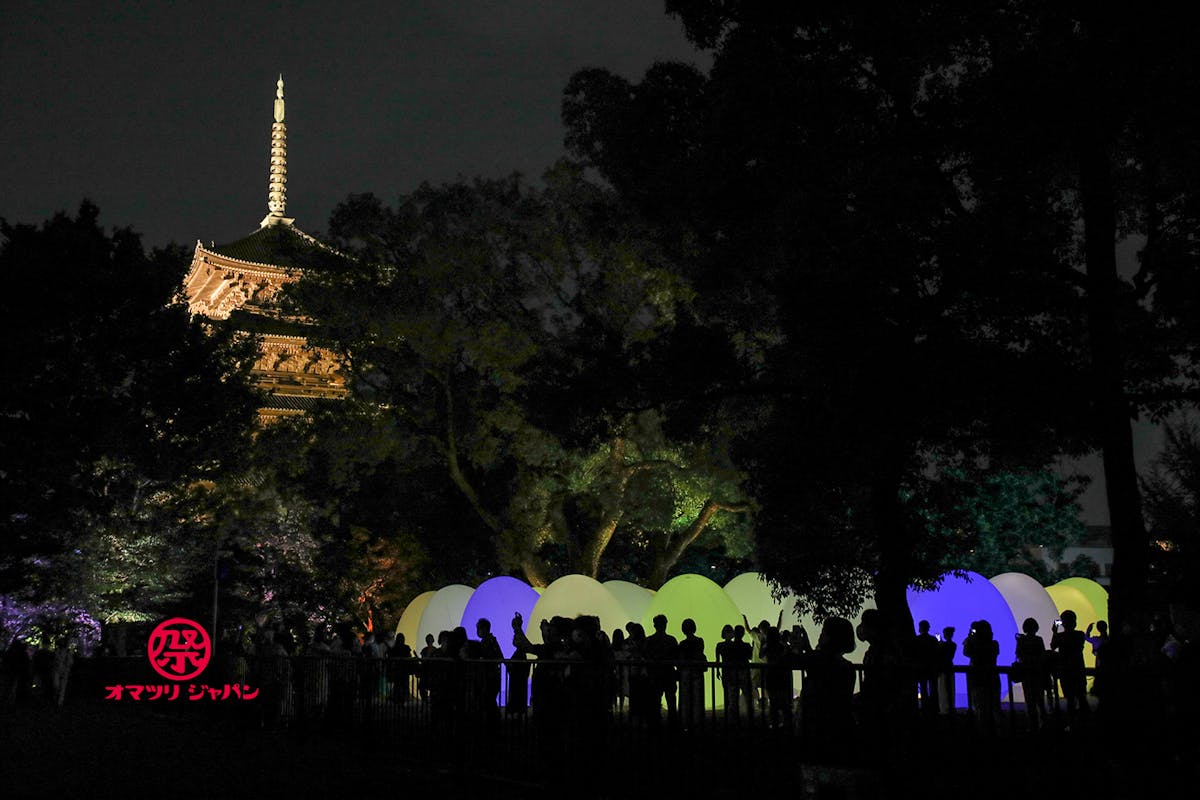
<point x="97" y="750"/>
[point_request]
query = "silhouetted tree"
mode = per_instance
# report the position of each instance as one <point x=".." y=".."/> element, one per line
<point x="118" y="404"/>
<point x="889" y="205"/>
<point x="1172" y="493"/>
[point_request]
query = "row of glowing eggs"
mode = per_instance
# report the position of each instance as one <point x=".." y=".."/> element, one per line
<point x="1005" y="601"/>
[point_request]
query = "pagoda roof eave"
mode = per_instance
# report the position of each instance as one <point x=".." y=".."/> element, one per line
<point x="271" y="269"/>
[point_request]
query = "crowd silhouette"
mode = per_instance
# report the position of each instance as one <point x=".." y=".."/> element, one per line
<point x="576" y="678"/>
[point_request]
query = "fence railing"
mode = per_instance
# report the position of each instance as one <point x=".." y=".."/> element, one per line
<point x="417" y="695"/>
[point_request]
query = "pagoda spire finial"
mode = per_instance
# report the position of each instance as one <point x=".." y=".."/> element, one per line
<point x="277" y="188"/>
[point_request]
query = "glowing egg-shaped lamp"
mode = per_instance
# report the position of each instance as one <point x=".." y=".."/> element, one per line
<point x="633" y="598"/>
<point x="751" y="593"/>
<point x="444" y="611"/>
<point x="573" y="595"/>
<point x="956" y="603"/>
<point x="1026" y="598"/>
<point x="496" y="600"/>
<point x="753" y="597"/>
<point x="1096" y="594"/>
<point x="1066" y="597"/>
<point x="410" y="620"/>
<point x="697" y="597"/>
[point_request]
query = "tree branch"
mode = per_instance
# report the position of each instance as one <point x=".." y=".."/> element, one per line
<point x="450" y="450"/>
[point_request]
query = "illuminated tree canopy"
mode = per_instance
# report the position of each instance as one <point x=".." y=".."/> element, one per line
<point x="519" y="341"/>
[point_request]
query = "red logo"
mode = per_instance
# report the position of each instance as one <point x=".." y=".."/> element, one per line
<point x="179" y="649"/>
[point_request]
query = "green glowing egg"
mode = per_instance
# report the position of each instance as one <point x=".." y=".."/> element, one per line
<point x="633" y="598"/>
<point x="752" y="595"/>
<point x="1096" y="594"/>
<point x="697" y="597"/>
<point x="1066" y="597"/>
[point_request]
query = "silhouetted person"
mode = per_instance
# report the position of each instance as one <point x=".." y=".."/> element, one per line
<point x="620" y="654"/>
<point x="428" y="652"/>
<point x="1031" y="665"/>
<point x="488" y="685"/>
<point x="662" y="650"/>
<point x="925" y="665"/>
<point x="885" y="690"/>
<point x="517" y="701"/>
<point x="691" y="679"/>
<point x="827" y="693"/>
<point x="777" y="679"/>
<point x="947" y="650"/>
<point x="639" y="678"/>
<point x="734" y="654"/>
<point x="983" y="682"/>
<point x="1067" y="643"/>
<point x="401" y="668"/>
<point x="1098" y="643"/>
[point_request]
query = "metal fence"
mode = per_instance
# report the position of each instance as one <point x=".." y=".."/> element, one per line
<point x="509" y="697"/>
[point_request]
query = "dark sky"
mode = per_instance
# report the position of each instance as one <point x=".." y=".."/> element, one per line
<point x="161" y="112"/>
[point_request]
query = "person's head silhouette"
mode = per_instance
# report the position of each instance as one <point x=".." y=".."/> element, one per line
<point x="1029" y="626"/>
<point x="660" y="623"/>
<point x="688" y="627"/>
<point x="1069" y="620"/>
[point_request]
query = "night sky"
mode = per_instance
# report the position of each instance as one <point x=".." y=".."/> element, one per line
<point x="161" y="112"/>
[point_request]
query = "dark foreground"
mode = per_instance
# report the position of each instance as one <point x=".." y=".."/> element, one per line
<point x="99" y="750"/>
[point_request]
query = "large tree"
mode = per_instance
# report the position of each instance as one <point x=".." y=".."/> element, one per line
<point x="117" y="405"/>
<point x="920" y="209"/>
<point x="522" y="341"/>
<point x="914" y="213"/>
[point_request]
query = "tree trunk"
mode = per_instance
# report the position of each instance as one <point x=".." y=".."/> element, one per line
<point x="895" y="552"/>
<point x="665" y="559"/>
<point x="593" y="550"/>
<point x="1113" y="411"/>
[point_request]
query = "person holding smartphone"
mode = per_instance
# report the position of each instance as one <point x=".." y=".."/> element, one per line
<point x="1067" y="643"/>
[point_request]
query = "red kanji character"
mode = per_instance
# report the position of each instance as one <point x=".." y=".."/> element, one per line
<point x="156" y="692"/>
<point x="135" y="692"/>
<point x="196" y="692"/>
<point x="236" y="689"/>
<point x="174" y="687"/>
<point x="246" y="693"/>
<point x="214" y="691"/>
<point x="114" y="692"/>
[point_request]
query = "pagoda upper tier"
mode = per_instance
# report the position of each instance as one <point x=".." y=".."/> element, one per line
<point x="241" y="283"/>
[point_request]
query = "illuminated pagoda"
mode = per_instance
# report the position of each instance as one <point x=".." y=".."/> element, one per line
<point x="239" y="283"/>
